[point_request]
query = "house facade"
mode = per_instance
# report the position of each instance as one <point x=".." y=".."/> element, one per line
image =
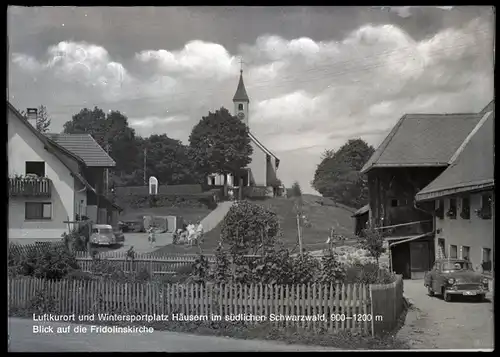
<point x="463" y="196"/>
<point x="416" y="151"/>
<point x="47" y="186"/>
<point x="263" y="169"/>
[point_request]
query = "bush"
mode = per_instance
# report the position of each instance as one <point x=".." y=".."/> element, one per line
<point x="48" y="261"/>
<point x="369" y="273"/>
<point x="305" y="269"/>
<point x="249" y="226"/>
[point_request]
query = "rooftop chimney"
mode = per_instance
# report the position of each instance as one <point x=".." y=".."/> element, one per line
<point x="32" y="114"/>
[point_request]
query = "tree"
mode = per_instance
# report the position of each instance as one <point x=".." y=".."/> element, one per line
<point x="168" y="160"/>
<point x="249" y="226"/>
<point x="43" y="120"/>
<point x="372" y="240"/>
<point x="220" y="143"/>
<point x="338" y="175"/>
<point x="111" y="131"/>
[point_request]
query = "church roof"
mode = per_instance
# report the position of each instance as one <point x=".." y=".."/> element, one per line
<point x="241" y="93"/>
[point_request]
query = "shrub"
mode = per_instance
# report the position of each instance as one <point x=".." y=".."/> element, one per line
<point x="220" y="272"/>
<point x="249" y="226"/>
<point x="200" y="270"/>
<point x="373" y="241"/>
<point x="48" y="261"/>
<point x="332" y="270"/>
<point x="305" y="269"/>
<point x="369" y="273"/>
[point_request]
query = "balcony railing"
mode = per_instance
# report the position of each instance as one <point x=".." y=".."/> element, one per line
<point x="30" y="187"/>
<point x="407" y="229"/>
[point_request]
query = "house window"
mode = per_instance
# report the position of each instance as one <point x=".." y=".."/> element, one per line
<point x="452" y="211"/>
<point x="441" y="247"/>
<point x="485" y="211"/>
<point x="394" y="202"/>
<point x="486" y="263"/>
<point x="465" y="211"/>
<point x="38" y="210"/>
<point x="440" y="209"/>
<point x="465" y="252"/>
<point x="453" y="252"/>
<point x="35" y="168"/>
<point x="240" y="106"/>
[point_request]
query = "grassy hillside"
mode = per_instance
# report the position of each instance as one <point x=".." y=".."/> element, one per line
<point x="322" y="217"/>
<point x="190" y="214"/>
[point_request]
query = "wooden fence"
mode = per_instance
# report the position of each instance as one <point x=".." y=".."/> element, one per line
<point x="164" y="264"/>
<point x="387" y="302"/>
<point x="351" y="307"/>
<point x="266" y="301"/>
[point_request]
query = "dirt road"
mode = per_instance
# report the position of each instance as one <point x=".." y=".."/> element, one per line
<point x="434" y="323"/>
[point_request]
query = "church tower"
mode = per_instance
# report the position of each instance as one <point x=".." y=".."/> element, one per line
<point x="241" y="101"/>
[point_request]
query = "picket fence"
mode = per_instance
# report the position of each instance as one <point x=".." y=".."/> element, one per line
<point x="156" y="265"/>
<point x="345" y="307"/>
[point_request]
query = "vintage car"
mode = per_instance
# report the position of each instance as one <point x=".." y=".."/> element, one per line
<point x="450" y="277"/>
<point x="102" y="234"/>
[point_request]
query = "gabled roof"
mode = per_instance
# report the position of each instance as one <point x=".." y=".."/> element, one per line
<point x="489" y="108"/>
<point x="261" y="146"/>
<point x="472" y="166"/>
<point x="241" y="93"/>
<point x="422" y="140"/>
<point x="85" y="147"/>
<point x="49" y="144"/>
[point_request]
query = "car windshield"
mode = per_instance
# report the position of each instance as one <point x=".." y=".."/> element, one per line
<point x="105" y="230"/>
<point x="456" y="266"/>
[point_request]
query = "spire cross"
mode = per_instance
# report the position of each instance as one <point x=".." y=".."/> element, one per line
<point x="241" y="64"/>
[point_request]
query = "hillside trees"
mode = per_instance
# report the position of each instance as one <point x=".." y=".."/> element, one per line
<point x="220" y="143"/>
<point x="338" y="176"/>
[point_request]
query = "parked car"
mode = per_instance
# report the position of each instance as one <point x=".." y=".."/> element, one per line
<point x="449" y="277"/>
<point x="102" y="234"/>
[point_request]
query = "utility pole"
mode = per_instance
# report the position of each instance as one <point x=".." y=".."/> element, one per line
<point x="145" y="160"/>
<point x="107" y="171"/>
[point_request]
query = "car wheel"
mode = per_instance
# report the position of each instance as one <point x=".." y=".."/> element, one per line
<point x="447" y="297"/>
<point x="481" y="298"/>
<point x="430" y="291"/>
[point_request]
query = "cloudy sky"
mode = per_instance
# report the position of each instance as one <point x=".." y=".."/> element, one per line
<point x="316" y="76"/>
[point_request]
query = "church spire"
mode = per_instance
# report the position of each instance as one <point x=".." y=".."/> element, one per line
<point x="241" y="93"/>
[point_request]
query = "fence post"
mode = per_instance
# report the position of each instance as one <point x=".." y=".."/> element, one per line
<point x="372" y="312"/>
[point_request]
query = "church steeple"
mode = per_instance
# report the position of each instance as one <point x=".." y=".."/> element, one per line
<point x="241" y="101"/>
<point x="241" y="92"/>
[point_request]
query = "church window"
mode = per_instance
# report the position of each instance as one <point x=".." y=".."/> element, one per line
<point x="240" y="106"/>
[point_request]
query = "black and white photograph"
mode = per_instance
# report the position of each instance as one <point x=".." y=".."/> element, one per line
<point x="250" y="178"/>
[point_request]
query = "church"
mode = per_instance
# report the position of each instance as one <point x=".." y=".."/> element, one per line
<point x="262" y="171"/>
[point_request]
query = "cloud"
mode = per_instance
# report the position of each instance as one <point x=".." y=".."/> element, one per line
<point x="197" y="59"/>
<point x="406" y="11"/>
<point x="306" y="95"/>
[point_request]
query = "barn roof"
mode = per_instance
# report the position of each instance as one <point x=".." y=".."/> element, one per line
<point x="423" y="140"/>
<point x="471" y="167"/>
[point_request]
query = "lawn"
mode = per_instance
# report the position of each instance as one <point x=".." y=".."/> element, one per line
<point x="321" y="216"/>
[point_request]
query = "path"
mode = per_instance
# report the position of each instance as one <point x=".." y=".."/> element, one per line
<point x="24" y="340"/>
<point x="436" y="324"/>
<point x="216" y="216"/>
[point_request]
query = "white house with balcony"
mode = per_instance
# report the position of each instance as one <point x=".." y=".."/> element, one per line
<point x="49" y="184"/>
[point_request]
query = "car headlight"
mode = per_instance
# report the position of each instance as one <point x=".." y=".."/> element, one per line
<point x="486" y="281"/>
<point x="451" y="281"/>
